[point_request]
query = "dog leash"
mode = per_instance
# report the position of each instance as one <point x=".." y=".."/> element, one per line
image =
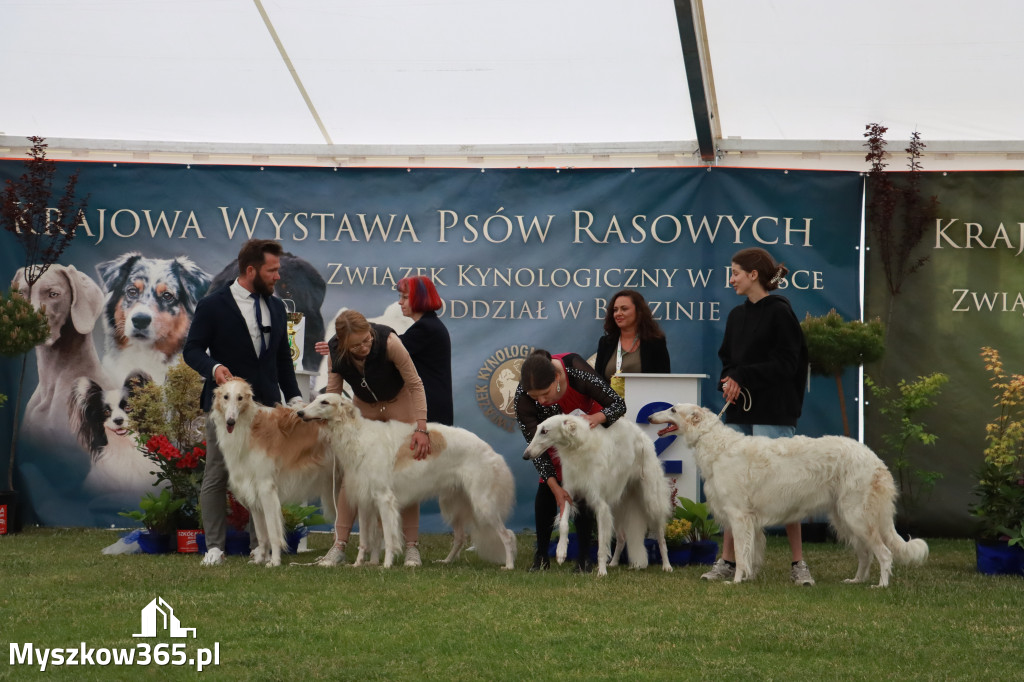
<point x="748" y="402"/>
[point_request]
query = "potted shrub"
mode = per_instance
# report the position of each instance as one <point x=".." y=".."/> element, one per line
<point x="901" y="408"/>
<point x="834" y="344"/>
<point x="1000" y="489"/>
<point x="158" y="514"/>
<point x="703" y="528"/>
<point x="297" y="521"/>
<point x="168" y="426"/>
<point x="677" y="537"/>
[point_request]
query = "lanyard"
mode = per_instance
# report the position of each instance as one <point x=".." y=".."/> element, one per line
<point x="618" y="352"/>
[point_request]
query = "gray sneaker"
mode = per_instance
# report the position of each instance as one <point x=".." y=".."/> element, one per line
<point x="335" y="556"/>
<point x="412" y="556"/>
<point x="720" y="571"/>
<point x="800" y="574"/>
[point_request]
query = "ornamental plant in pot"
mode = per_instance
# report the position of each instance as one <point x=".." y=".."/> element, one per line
<point x="1000" y="488"/>
<point x="834" y="344"/>
<point x="168" y="426"/>
<point x="703" y="528"/>
<point x="158" y="513"/>
<point x="677" y="537"/>
<point x="297" y="521"/>
<point x="906" y="430"/>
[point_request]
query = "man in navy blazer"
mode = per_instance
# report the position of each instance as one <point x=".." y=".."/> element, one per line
<point x="239" y="330"/>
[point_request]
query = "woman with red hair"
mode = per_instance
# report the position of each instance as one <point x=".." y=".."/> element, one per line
<point x="429" y="345"/>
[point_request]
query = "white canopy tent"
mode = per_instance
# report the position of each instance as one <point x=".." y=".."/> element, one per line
<point x="498" y="83"/>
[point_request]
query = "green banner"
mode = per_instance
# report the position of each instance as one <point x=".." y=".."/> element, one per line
<point x="966" y="293"/>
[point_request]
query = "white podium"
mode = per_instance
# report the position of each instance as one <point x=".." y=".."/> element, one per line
<point x="307" y="381"/>
<point x="649" y="393"/>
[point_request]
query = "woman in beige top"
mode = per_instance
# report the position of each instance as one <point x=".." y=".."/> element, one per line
<point x="385" y="386"/>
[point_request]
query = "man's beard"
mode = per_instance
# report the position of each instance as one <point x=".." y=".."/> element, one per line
<point x="262" y="288"/>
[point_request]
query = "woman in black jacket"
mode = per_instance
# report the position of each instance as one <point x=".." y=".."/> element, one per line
<point x="764" y="372"/>
<point x="429" y="345"/>
<point x="632" y="342"/>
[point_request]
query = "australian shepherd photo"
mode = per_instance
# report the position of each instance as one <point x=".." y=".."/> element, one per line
<point x="753" y="481"/>
<point x="472" y="483"/>
<point x="148" y="310"/>
<point x="617" y="472"/>
<point x="272" y="457"/>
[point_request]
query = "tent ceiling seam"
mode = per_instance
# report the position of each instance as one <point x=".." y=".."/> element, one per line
<point x="291" y="69"/>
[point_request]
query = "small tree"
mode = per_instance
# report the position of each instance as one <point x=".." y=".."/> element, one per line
<point x="897" y="213"/>
<point x="905" y="429"/>
<point x="22" y="327"/>
<point x="834" y="344"/>
<point x="43" y="231"/>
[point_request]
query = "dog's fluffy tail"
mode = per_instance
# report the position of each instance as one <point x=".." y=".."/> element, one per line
<point x="912" y="552"/>
<point x="492" y="503"/>
<point x="882" y="499"/>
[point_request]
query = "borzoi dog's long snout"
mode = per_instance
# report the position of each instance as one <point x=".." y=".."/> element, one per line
<point x="546" y="437"/>
<point x="685" y="413"/>
<point x="230" y="399"/>
<point x="326" y="407"/>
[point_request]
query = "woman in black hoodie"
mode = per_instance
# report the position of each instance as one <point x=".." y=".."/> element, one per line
<point x="764" y="370"/>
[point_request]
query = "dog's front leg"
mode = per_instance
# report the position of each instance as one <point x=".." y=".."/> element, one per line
<point x="367" y="528"/>
<point x="563" y="534"/>
<point x="261" y="554"/>
<point x="274" y="522"/>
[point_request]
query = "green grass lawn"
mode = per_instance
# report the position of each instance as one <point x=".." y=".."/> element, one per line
<point x="473" y="621"/>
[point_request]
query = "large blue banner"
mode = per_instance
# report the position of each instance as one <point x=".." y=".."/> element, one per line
<point x="522" y="258"/>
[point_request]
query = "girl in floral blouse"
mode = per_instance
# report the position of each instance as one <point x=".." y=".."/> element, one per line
<point x="561" y="384"/>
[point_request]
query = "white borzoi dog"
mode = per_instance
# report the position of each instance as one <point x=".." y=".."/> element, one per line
<point x="472" y="482"/>
<point x="272" y="456"/>
<point x="617" y="472"/>
<point x="753" y="481"/>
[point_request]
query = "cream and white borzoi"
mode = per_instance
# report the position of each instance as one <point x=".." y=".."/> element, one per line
<point x="617" y="472"/>
<point x="472" y="482"/>
<point x="272" y="456"/>
<point x="753" y="481"/>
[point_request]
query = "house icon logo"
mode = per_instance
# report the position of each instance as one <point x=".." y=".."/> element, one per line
<point x="158" y="615"/>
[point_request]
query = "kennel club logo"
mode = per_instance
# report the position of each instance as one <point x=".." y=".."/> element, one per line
<point x="496" y="385"/>
<point x="157" y="620"/>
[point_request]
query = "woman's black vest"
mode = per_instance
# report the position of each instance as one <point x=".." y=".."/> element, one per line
<point x="380" y="380"/>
